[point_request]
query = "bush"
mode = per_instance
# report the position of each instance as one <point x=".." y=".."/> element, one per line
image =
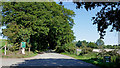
<point x="14" y="47"/>
<point x="102" y="53"/>
<point x="86" y="50"/>
<point x="118" y="59"/>
<point x="68" y="47"/>
<point x="114" y="55"/>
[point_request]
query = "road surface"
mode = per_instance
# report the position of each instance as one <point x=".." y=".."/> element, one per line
<point x="47" y="60"/>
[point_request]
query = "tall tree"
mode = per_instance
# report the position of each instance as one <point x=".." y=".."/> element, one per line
<point x="44" y="23"/>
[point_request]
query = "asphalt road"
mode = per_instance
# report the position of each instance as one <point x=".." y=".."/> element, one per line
<point x="48" y="60"/>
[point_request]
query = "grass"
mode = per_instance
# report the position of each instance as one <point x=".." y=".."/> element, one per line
<point x="86" y="56"/>
<point x="91" y="58"/>
<point x="2" y="51"/>
<point x="16" y="54"/>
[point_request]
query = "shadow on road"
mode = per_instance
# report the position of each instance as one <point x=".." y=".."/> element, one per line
<point x="53" y="63"/>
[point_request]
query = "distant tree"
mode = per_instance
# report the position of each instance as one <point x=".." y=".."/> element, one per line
<point x="119" y="44"/>
<point x="115" y="46"/>
<point x="92" y="45"/>
<point x="84" y="43"/>
<point x="109" y="46"/>
<point x="104" y="46"/>
<point x="79" y="43"/>
<point x="100" y="42"/>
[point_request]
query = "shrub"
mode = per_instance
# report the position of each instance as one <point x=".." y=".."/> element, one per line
<point x="14" y="47"/>
<point x="118" y="59"/>
<point x="114" y="55"/>
<point x="102" y="53"/>
<point x="59" y="49"/>
<point x="68" y="47"/>
<point x="86" y="50"/>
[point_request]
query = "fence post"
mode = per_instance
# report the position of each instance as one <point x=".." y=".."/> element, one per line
<point x="5" y="50"/>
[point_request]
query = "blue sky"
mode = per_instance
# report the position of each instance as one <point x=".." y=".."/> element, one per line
<point x="84" y="29"/>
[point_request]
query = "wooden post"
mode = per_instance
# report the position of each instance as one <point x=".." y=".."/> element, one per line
<point x="5" y="50"/>
<point x="29" y="49"/>
<point x="8" y="47"/>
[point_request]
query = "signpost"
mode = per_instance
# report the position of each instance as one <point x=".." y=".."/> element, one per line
<point x="23" y="45"/>
<point x="107" y="59"/>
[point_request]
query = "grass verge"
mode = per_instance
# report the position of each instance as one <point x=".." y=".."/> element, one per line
<point x="16" y="54"/>
<point x="91" y="58"/>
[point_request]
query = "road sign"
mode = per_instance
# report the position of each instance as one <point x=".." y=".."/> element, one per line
<point x="23" y="44"/>
<point x="107" y="59"/>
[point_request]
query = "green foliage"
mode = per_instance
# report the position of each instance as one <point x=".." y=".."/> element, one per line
<point x="81" y="57"/>
<point x="86" y="50"/>
<point x="14" y="47"/>
<point x="16" y="33"/>
<point x="44" y="23"/>
<point x="79" y="44"/>
<point x="101" y="54"/>
<point x="83" y="44"/>
<point x="113" y="54"/>
<point x="111" y="46"/>
<point x="99" y="44"/>
<point x="3" y="42"/>
<point x="92" y="45"/>
<point x="68" y="48"/>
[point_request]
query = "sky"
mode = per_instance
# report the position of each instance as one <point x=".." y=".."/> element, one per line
<point x="84" y="29"/>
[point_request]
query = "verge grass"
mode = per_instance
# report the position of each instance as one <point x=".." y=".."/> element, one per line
<point x="91" y="58"/>
<point x="16" y="54"/>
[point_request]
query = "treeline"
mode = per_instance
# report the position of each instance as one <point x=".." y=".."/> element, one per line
<point x="96" y="45"/>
